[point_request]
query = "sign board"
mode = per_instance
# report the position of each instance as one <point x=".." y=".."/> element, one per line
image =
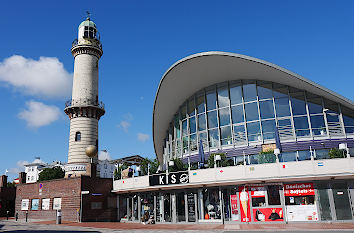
<point x="57" y="203"/>
<point x="172" y="178"/>
<point x="244" y="198"/>
<point x="35" y="204"/>
<point x="85" y="192"/>
<point x="234" y="211"/>
<point x="268" y="214"/>
<point x="299" y="189"/>
<point x="45" y="204"/>
<point x="301" y="213"/>
<point x="75" y="167"/>
<point x="24" y="204"/>
<point x="191" y="207"/>
<point x="268" y="147"/>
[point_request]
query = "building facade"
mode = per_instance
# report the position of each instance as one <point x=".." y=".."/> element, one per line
<point x="105" y="169"/>
<point x="241" y="109"/>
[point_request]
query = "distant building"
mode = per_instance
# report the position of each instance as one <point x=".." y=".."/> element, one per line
<point x="105" y="168"/>
<point x="33" y="169"/>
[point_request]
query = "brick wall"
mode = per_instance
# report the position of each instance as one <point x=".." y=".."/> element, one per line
<point x="67" y="189"/>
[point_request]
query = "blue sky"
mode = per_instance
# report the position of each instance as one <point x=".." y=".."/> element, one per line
<point x="141" y="40"/>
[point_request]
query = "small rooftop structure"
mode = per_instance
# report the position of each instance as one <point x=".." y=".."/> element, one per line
<point x="130" y="160"/>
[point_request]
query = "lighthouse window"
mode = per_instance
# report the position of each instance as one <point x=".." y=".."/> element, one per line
<point x="77" y="137"/>
<point x="89" y="32"/>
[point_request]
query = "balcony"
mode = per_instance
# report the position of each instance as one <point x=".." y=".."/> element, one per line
<point x="84" y="103"/>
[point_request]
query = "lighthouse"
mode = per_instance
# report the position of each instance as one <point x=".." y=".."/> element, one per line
<point x="84" y="109"/>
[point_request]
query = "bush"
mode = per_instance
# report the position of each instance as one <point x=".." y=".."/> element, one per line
<point x="336" y="153"/>
<point x="178" y="166"/>
<point x="266" y="157"/>
<point x="51" y="173"/>
<point x="225" y="162"/>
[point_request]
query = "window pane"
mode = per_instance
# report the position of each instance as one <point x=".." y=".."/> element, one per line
<point x="177" y="127"/>
<point x="280" y="92"/>
<point x="301" y="126"/>
<point x="267" y="110"/>
<point x="185" y="145"/>
<point x="268" y="128"/>
<point x="265" y="91"/>
<point x="203" y="137"/>
<point x="184" y="128"/>
<point x="304" y="155"/>
<point x="213" y="138"/>
<point x="298" y="105"/>
<point x="348" y="118"/>
<point x="192" y="125"/>
<point x="236" y="94"/>
<point x="251" y="111"/>
<point x="273" y="194"/>
<point x="287" y="156"/>
<point x="282" y="107"/>
<point x="223" y="96"/>
<point x="212" y="120"/>
<point x="224" y="115"/>
<point x="318" y="125"/>
<point x="315" y="105"/>
<point x="254" y="131"/>
<point x="322" y="154"/>
<point x="239" y="134"/>
<point x="201" y="122"/>
<point x="237" y="114"/>
<point x="191" y="107"/>
<point x="193" y="142"/>
<point x="200" y="104"/>
<point x="225" y="135"/>
<point x="211" y="100"/>
<point x="184" y="111"/>
<point x="249" y="92"/>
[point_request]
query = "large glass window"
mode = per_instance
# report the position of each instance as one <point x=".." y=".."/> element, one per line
<point x="224" y="115"/>
<point x="298" y="105"/>
<point x="249" y="92"/>
<point x="223" y="96"/>
<point x="301" y="126"/>
<point x="212" y="120"/>
<point x="201" y="122"/>
<point x="236" y="93"/>
<point x="304" y="155"/>
<point x="200" y="103"/>
<point x="239" y="134"/>
<point x="287" y="156"/>
<point x="237" y="114"/>
<point x="282" y="107"/>
<point x="251" y="111"/>
<point x="193" y="142"/>
<point x="348" y="118"/>
<point x="268" y="128"/>
<point x="318" y="125"/>
<point x="191" y="107"/>
<point x="192" y="125"/>
<point x="184" y="128"/>
<point x="211" y="100"/>
<point x="280" y="91"/>
<point x="213" y="138"/>
<point x="226" y="135"/>
<point x="264" y="91"/>
<point x="211" y="202"/>
<point x="254" y="131"/>
<point x="267" y="110"/>
<point x="315" y="105"/>
<point x="322" y="154"/>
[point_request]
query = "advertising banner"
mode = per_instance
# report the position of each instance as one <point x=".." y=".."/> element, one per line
<point x="268" y="215"/>
<point x="234" y="211"/>
<point x="57" y="204"/>
<point x="301" y="213"/>
<point x="24" y="204"/>
<point x="244" y="204"/>
<point x="35" y="204"/>
<point x="299" y="189"/>
<point x="258" y="191"/>
<point x="45" y="204"/>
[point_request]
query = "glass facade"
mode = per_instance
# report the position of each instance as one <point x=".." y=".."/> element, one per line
<point x="243" y="113"/>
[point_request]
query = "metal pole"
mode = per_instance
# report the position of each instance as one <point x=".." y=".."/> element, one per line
<point x="81" y="208"/>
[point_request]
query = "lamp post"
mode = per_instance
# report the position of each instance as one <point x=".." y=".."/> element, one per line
<point x="82" y="193"/>
<point x="277" y="153"/>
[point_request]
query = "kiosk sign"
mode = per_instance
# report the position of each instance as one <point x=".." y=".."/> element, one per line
<point x="171" y="178"/>
<point x="299" y="189"/>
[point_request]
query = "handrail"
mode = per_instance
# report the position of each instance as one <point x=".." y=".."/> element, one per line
<point x="84" y="102"/>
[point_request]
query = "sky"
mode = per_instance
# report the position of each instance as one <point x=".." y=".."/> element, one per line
<point x="141" y="40"/>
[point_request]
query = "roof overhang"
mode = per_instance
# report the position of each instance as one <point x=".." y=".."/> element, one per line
<point x="192" y="73"/>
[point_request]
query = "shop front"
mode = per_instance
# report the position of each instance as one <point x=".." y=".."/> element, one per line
<point x="242" y="204"/>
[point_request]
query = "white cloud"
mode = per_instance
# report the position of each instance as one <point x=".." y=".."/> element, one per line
<point x="19" y="167"/>
<point x="124" y="125"/>
<point x="143" y="137"/>
<point x="45" y="77"/>
<point x="104" y="155"/>
<point x="39" y="114"/>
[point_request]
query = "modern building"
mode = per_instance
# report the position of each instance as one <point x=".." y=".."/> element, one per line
<point x="84" y="109"/>
<point x="286" y="146"/>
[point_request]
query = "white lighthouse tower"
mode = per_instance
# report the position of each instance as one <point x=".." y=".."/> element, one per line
<point x="84" y="109"/>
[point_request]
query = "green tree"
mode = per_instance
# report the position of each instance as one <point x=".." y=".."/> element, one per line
<point x="178" y="166"/>
<point x="51" y="173"/>
<point x="118" y="172"/>
<point x="225" y="162"/>
<point x="266" y="157"/>
<point x="336" y="153"/>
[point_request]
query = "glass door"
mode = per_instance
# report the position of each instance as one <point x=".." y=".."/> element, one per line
<point x="341" y="201"/>
<point x="180" y="205"/>
<point x="167" y="207"/>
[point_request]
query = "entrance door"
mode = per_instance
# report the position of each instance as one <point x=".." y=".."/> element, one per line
<point x="341" y="201"/>
<point x="167" y="207"/>
<point x="181" y="207"/>
<point x="191" y="206"/>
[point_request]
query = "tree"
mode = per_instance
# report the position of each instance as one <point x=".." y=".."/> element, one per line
<point x="51" y="173"/>
<point x="225" y="162"/>
<point x="178" y="166"/>
<point x="336" y="153"/>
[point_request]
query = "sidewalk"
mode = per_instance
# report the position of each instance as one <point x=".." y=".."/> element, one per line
<point x="269" y="227"/>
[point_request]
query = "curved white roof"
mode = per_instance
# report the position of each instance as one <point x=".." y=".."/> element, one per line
<point x="192" y="73"/>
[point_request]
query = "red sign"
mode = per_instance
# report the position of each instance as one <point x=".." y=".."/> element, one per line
<point x="244" y="204"/>
<point x="234" y="204"/>
<point x="257" y="191"/>
<point x="299" y="189"/>
<point x="268" y="215"/>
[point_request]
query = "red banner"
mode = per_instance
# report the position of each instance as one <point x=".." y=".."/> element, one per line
<point x="299" y="189"/>
<point x="268" y="215"/>
<point x="244" y="204"/>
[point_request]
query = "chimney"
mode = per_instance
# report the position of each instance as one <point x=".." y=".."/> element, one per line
<point x="3" y="181"/>
<point x="22" y="177"/>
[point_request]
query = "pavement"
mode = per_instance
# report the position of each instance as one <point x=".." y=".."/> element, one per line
<point x="103" y="227"/>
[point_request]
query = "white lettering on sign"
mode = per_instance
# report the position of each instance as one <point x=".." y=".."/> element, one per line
<point x="173" y="179"/>
<point x="183" y="178"/>
<point x="75" y="168"/>
<point x="161" y="180"/>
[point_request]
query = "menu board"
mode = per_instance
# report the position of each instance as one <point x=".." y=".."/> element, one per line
<point x="45" y="204"/>
<point x="57" y="203"/>
<point x="35" y="204"/>
<point x="191" y="207"/>
<point x="301" y="213"/>
<point x="24" y="204"/>
<point x="234" y="211"/>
